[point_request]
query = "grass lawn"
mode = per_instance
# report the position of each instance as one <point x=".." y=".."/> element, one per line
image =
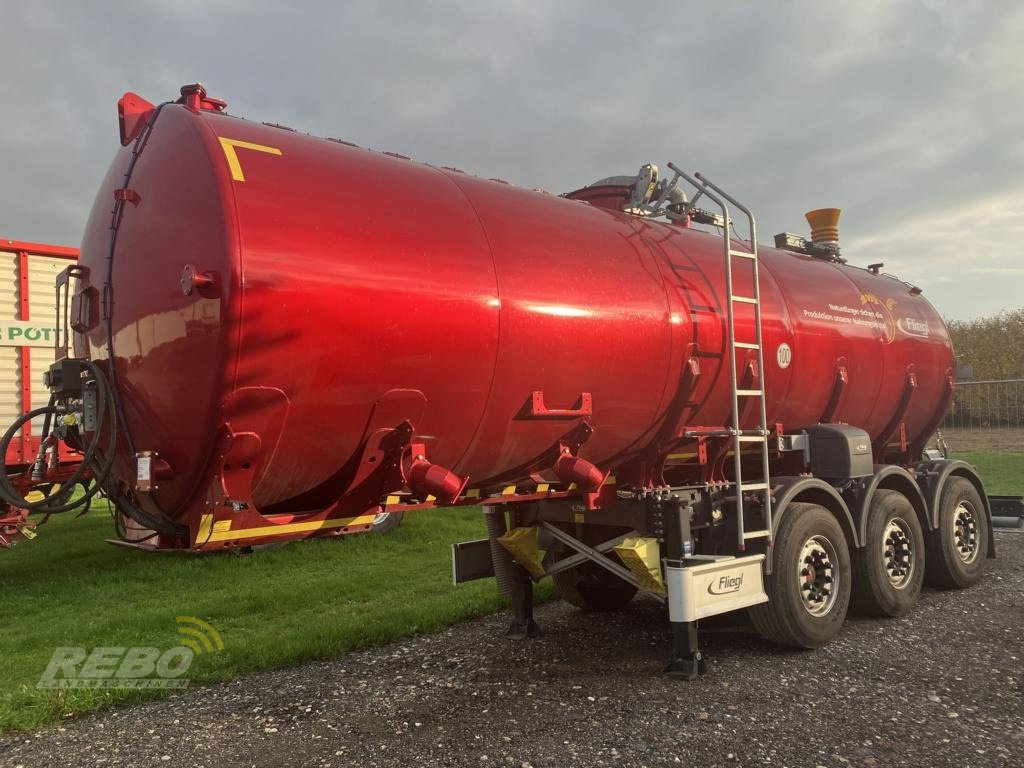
<point x="1002" y="473"/>
<point x="306" y="600"/>
<point x="276" y="607"/>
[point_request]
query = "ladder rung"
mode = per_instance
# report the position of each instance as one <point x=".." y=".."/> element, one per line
<point x="752" y="438"/>
<point x="743" y="254"/>
<point x="753" y="486"/>
<point x="744" y="299"/>
<point x="745" y="345"/>
<point x="749" y="392"/>
<point x="756" y="534"/>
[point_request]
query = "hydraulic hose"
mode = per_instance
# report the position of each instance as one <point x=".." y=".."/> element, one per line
<point x="97" y="459"/>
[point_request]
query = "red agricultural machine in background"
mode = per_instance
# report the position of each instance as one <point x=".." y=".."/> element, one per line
<point x="28" y="331"/>
<point x="273" y="335"/>
<point x="28" y="328"/>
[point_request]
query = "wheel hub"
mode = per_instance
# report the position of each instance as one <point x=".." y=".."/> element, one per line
<point x="965" y="531"/>
<point x="898" y="553"/>
<point x="816" y="575"/>
<point x="380" y="517"/>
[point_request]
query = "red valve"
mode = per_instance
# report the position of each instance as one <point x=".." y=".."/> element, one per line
<point x="426" y="479"/>
<point x="573" y="469"/>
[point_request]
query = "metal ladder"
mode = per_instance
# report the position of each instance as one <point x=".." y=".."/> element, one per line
<point x="739" y="436"/>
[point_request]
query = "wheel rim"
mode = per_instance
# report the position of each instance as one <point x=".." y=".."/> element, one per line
<point x="381" y="517"/>
<point x="965" y="532"/>
<point x="816" y="575"/>
<point x="898" y="553"/>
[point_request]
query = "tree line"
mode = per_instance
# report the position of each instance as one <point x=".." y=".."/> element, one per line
<point x="993" y="346"/>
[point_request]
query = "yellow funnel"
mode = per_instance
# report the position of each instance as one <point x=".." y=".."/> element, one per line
<point x="521" y="543"/>
<point x="824" y="224"/>
<point x="642" y="556"/>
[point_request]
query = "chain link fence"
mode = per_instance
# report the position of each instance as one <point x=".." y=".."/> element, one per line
<point x="987" y="416"/>
<point x="987" y="405"/>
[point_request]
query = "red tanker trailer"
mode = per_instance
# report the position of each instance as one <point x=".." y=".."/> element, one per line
<point x="271" y="334"/>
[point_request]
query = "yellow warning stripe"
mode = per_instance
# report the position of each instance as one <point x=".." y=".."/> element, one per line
<point x="206" y="535"/>
<point x="508" y="490"/>
<point x="231" y="155"/>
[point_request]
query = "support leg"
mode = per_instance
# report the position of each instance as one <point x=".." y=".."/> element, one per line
<point x="523" y="625"/>
<point x="687" y="662"/>
<point x="512" y="579"/>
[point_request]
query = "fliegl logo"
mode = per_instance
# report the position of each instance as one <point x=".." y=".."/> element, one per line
<point x="725" y="585"/>
<point x="138" y="667"/>
<point x="913" y="327"/>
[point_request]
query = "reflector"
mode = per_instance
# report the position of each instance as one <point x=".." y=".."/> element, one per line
<point x="133" y="112"/>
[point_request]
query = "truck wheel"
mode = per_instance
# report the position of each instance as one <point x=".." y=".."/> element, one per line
<point x="809" y="589"/>
<point x="889" y="569"/>
<point x="385" y="522"/>
<point x="956" y="549"/>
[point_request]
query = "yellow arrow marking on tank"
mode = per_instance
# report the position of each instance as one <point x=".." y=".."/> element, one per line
<point x="231" y="145"/>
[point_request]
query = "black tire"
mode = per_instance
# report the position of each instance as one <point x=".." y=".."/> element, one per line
<point x="385" y="522"/>
<point x="957" y="548"/>
<point x="588" y="586"/>
<point x="888" y="570"/>
<point x="807" y="535"/>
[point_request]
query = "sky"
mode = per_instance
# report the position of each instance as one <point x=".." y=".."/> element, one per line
<point x="907" y="114"/>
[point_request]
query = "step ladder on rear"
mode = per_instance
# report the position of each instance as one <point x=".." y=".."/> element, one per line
<point x="734" y="258"/>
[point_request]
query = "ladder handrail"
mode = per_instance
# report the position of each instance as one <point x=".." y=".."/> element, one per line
<point x="703" y="185"/>
<point x="706" y="181"/>
<point x="757" y="326"/>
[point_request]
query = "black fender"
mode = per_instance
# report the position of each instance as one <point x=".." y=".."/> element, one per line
<point x="810" y="490"/>
<point x="890" y="477"/>
<point x="932" y="477"/>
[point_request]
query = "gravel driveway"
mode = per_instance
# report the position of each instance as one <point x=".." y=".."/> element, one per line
<point x="941" y="687"/>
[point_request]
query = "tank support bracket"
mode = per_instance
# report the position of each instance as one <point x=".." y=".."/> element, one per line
<point x="594" y="555"/>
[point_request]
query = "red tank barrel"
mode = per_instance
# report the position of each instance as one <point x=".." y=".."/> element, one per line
<point x="283" y="303"/>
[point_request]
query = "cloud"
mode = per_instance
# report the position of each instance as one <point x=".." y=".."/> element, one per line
<point x="904" y="114"/>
